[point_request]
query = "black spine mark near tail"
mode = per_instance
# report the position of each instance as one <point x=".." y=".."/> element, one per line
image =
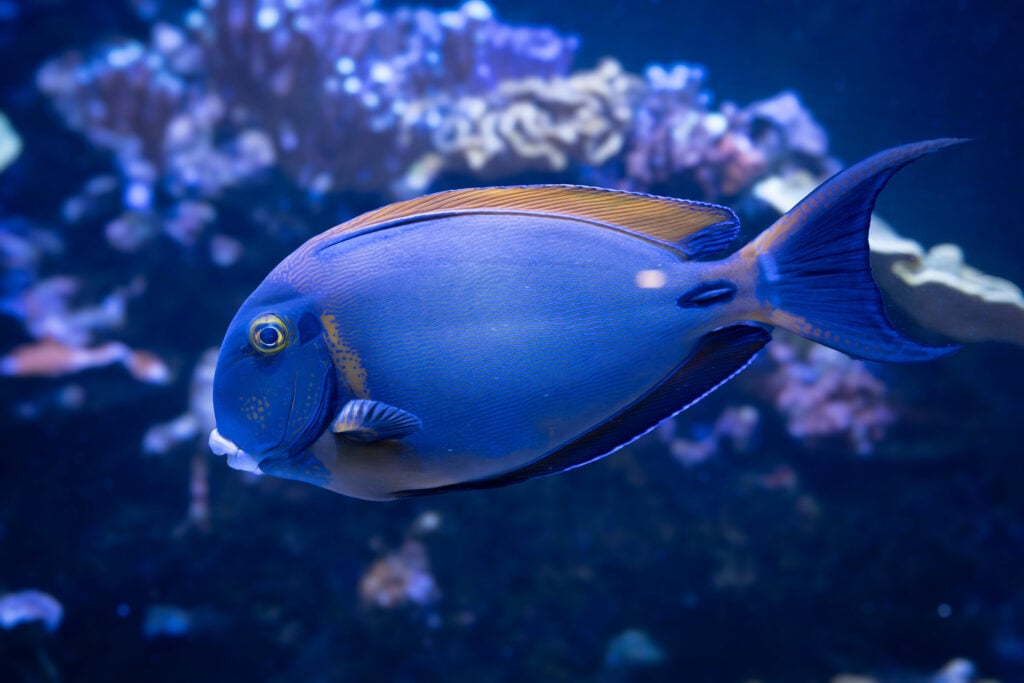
<point x="708" y="294"/>
<point x="814" y="262"/>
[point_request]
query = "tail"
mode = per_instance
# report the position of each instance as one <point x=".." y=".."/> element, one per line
<point x="814" y="264"/>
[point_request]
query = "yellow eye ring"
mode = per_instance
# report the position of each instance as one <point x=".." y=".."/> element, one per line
<point x="268" y="334"/>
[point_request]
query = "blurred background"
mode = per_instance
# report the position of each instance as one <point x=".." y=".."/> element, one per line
<point x="817" y="519"/>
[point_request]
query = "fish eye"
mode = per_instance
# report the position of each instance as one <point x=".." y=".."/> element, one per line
<point x="268" y="334"/>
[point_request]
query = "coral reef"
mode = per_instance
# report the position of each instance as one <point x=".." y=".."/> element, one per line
<point x="30" y="606"/>
<point x="538" y="124"/>
<point x="375" y="92"/>
<point x="197" y="422"/>
<point x="677" y="137"/>
<point x="825" y="395"/>
<point x="51" y="358"/>
<point x="736" y="427"/>
<point x="944" y="295"/>
<point x="191" y="428"/>
<point x="387" y="101"/>
<point x="65" y="336"/>
<point x="399" y="579"/>
<point x="47" y="310"/>
<point x="338" y="95"/>
<point x="402" y="578"/>
<point x="219" y="142"/>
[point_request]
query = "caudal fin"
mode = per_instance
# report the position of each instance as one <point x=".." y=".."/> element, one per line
<point x="814" y="264"/>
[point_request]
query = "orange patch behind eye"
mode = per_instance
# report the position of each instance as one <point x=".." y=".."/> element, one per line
<point x="346" y="359"/>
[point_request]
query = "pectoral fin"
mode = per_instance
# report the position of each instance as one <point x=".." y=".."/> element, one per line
<point x="367" y="421"/>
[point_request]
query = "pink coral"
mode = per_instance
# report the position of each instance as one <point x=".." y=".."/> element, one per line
<point x="677" y="135"/>
<point x="825" y="394"/>
<point x="736" y="427"/>
<point x="399" y="579"/>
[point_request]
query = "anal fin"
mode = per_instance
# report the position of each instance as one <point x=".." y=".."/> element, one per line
<point x="717" y="357"/>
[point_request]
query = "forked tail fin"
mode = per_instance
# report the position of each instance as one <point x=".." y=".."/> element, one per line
<point x="814" y="264"/>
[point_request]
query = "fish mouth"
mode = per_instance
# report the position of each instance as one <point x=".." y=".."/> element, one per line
<point x="244" y="461"/>
<point x="237" y="458"/>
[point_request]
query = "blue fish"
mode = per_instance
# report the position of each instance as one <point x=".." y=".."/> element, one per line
<point x="478" y="338"/>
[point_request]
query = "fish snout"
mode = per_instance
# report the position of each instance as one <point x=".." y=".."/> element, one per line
<point x="237" y="458"/>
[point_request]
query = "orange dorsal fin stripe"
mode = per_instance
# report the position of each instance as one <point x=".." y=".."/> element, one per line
<point x="662" y="218"/>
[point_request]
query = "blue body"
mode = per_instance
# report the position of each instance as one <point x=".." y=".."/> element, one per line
<point x="505" y="347"/>
<point x="483" y="337"/>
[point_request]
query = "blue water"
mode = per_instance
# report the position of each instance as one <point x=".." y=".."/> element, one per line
<point x="783" y="561"/>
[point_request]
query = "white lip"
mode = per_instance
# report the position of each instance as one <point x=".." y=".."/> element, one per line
<point x="237" y="458"/>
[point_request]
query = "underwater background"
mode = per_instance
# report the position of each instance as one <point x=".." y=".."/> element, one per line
<point x="818" y="519"/>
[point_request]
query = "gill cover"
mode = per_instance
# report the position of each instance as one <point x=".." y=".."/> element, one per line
<point x="274" y="389"/>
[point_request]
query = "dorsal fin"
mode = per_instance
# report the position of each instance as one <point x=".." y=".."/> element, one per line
<point x="699" y="228"/>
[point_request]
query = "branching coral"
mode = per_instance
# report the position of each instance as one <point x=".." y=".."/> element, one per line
<point x="825" y="395"/>
<point x="537" y="124"/>
<point x="338" y="94"/>
<point x="677" y="136"/>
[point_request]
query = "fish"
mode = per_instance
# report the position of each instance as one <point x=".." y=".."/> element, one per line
<point x="478" y="338"/>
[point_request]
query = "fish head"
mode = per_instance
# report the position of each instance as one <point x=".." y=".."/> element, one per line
<point x="275" y="387"/>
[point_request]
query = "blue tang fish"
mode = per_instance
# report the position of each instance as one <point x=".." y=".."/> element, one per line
<point x="482" y="337"/>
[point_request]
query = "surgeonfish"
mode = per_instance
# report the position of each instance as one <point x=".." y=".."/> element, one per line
<point x="477" y="338"/>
